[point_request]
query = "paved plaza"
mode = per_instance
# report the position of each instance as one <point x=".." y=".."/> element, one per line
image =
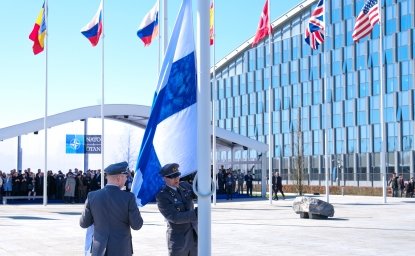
<point x="360" y="226"/>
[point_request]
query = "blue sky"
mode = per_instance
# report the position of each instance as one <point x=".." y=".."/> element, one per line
<point x="74" y="66"/>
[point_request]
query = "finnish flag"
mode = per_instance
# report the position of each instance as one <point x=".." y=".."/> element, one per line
<point x="170" y="136"/>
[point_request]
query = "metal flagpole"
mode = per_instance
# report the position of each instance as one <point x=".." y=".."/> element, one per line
<point x="214" y="160"/>
<point x="326" y="136"/>
<point x="45" y="123"/>
<point x="165" y="27"/>
<point x="203" y="135"/>
<point x="382" y="121"/>
<point x="102" y="100"/>
<point x="270" y="142"/>
<point x="158" y="67"/>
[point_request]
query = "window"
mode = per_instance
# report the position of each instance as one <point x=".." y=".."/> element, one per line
<point x="338" y="34"/>
<point x="285" y="74"/>
<point x="391" y="19"/>
<point x="252" y="60"/>
<point x="235" y="123"/>
<point x="294" y="72"/>
<point x="276" y="76"/>
<point x="287" y="144"/>
<point x="252" y="104"/>
<point x="337" y="114"/>
<point x="406" y="14"/>
<point x="317" y="92"/>
<point x="362" y="111"/>
<point x="286" y="49"/>
<point x="392" y="137"/>
<point x="351" y="140"/>
<point x="307" y="143"/>
<point x="228" y="87"/>
<point x="351" y="86"/>
<point x="406" y="75"/>
<point x="251" y="126"/>
<point x="403" y="106"/>
<point x="259" y="80"/>
<point x="230" y="107"/>
<point x="403" y="45"/>
<point x="286" y="121"/>
<point x="260" y="56"/>
<point x="340" y="139"/>
<point x="306" y="93"/>
<point x="276" y="122"/>
<point x="296" y="95"/>
<point x="339" y="88"/>
<point x="317" y="142"/>
<point x="407" y="135"/>
<point x="392" y="78"/>
<point x="237" y="109"/>
<point x="304" y="70"/>
<point x="349" y="115"/>
<point x="244" y="104"/>
<point x="390" y="114"/>
<point x="286" y="97"/>
<point x="364" y="83"/>
<point x="364" y="139"/>
<point x="242" y="84"/>
<point x="315" y="117"/>
<point x="315" y="67"/>
<point x="235" y="86"/>
<point x="243" y="126"/>
<point x="277" y="52"/>
<point x="337" y="61"/>
<point x="251" y="82"/>
<point x="305" y="119"/>
<point x="361" y="62"/>
<point x="374" y="110"/>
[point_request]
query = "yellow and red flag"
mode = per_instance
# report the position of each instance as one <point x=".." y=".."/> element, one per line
<point x="38" y="33"/>
<point x="211" y="23"/>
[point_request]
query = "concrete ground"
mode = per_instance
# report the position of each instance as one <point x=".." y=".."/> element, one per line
<point x="360" y="226"/>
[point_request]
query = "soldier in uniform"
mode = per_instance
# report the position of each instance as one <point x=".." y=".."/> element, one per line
<point x="175" y="202"/>
<point x="113" y="212"/>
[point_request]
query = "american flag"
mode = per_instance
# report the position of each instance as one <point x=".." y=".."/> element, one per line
<point x="366" y="20"/>
<point x="314" y="32"/>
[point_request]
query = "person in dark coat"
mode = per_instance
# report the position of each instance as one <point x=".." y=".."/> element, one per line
<point x="175" y="202"/>
<point x="248" y="180"/>
<point x="278" y="185"/>
<point x="114" y="213"/>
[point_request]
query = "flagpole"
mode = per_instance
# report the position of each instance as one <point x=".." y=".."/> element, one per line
<point x="159" y="36"/>
<point x="326" y="136"/>
<point x="165" y="27"/>
<point x="214" y="159"/>
<point x="45" y="126"/>
<point x="270" y="151"/>
<point x="203" y="135"/>
<point x="382" y="121"/>
<point x="102" y="99"/>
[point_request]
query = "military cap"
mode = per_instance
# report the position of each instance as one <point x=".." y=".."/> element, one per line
<point x="118" y="168"/>
<point x="170" y="170"/>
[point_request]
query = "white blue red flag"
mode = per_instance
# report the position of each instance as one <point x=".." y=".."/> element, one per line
<point x="314" y="32"/>
<point x="366" y="20"/>
<point x="93" y="29"/>
<point x="171" y="133"/>
<point x="149" y="27"/>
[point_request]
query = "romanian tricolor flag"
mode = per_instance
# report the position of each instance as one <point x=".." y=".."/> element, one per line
<point x="148" y="29"/>
<point x="93" y="29"/>
<point x="38" y="33"/>
<point x="211" y="24"/>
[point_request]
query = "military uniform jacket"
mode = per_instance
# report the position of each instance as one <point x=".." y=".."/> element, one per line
<point x="178" y="209"/>
<point x="113" y="212"/>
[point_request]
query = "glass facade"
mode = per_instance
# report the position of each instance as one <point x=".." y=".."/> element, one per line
<point x="335" y="90"/>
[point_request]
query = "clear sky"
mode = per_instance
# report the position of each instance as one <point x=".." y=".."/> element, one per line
<point x="74" y="66"/>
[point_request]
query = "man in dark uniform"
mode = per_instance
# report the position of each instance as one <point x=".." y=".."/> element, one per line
<point x="248" y="180"/>
<point x="113" y="212"/>
<point x="175" y="202"/>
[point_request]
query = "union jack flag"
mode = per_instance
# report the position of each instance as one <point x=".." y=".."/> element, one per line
<point x="366" y="20"/>
<point x="314" y="32"/>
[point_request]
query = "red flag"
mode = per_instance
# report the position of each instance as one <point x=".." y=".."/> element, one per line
<point x="264" y="26"/>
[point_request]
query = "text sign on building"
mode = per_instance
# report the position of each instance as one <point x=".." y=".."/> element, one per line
<point x="93" y="144"/>
<point x="81" y="144"/>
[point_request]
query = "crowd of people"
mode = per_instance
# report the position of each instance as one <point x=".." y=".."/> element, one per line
<point x="72" y="187"/>
<point x="400" y="187"/>
<point x="230" y="182"/>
